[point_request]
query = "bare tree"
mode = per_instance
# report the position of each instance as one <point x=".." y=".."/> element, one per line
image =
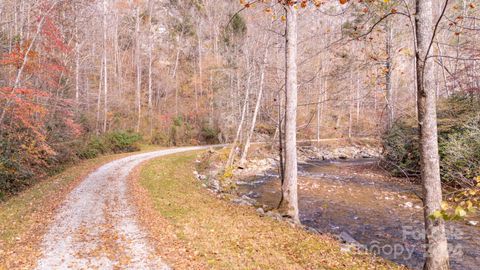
<point x="138" y="64"/>
<point x="150" y="68"/>
<point x="437" y="252"/>
<point x="231" y="155"/>
<point x="257" y="105"/>
<point x="388" y="74"/>
<point x="289" y="203"/>
<point x="99" y="99"/>
<point x="105" y="68"/>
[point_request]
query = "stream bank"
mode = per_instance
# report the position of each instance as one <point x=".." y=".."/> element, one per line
<point x="354" y="201"/>
<point x="346" y="194"/>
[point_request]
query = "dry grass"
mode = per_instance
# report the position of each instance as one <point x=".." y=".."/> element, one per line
<point x="215" y="234"/>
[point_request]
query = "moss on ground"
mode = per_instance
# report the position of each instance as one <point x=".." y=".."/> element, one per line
<point x="225" y="236"/>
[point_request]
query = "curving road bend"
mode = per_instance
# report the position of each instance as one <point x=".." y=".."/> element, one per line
<point x="96" y="227"/>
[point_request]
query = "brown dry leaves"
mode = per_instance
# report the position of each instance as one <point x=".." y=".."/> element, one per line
<point x="26" y="217"/>
<point x="103" y="241"/>
<point x="201" y="231"/>
<point x="163" y="235"/>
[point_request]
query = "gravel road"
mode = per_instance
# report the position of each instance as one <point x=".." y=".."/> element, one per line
<point x="96" y="227"/>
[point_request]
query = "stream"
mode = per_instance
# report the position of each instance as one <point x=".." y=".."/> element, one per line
<point x="361" y="204"/>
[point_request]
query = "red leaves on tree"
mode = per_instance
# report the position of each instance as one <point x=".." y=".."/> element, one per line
<point x="16" y="57"/>
<point x="52" y="38"/>
<point x="33" y="119"/>
<point x="25" y="111"/>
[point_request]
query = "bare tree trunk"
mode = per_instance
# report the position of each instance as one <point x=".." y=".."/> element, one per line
<point x="200" y="70"/>
<point x="436" y="241"/>
<point x="99" y="100"/>
<point x="357" y="119"/>
<point x="16" y="19"/>
<point x="231" y="156"/>
<point x="87" y="91"/>
<point x="415" y="89"/>
<point x="77" y="73"/>
<point x="150" y="60"/>
<point x="444" y="75"/>
<point x="105" y="73"/>
<point x="319" y="103"/>
<point x="77" y="65"/>
<point x="150" y="90"/>
<point x="322" y="102"/>
<point x="238" y="77"/>
<point x="138" y="93"/>
<point x="350" y="105"/>
<point x="118" y="60"/>
<point x="211" y="101"/>
<point x="289" y="203"/>
<point x="257" y="106"/>
<point x="281" y="147"/>
<point x="174" y="76"/>
<point x="388" y="74"/>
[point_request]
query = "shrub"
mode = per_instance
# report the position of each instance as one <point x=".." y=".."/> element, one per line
<point x="178" y="121"/>
<point x="93" y="147"/>
<point x="460" y="153"/>
<point x="210" y="135"/>
<point x="181" y="132"/>
<point x="13" y="176"/>
<point x="119" y="142"/>
<point x="21" y="162"/>
<point x="400" y="149"/>
<point x="459" y="143"/>
<point x="174" y="137"/>
<point x="22" y="156"/>
<point x="263" y="128"/>
<point x="115" y="142"/>
<point x="160" y="138"/>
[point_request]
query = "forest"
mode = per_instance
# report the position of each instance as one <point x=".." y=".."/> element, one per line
<point x="365" y="90"/>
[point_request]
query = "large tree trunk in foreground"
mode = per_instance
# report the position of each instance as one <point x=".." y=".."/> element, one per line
<point x="436" y="241"/>
<point x="289" y="204"/>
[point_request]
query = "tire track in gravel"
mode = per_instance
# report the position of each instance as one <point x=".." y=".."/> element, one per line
<point x="96" y="226"/>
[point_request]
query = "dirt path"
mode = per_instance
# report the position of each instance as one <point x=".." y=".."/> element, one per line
<point x="96" y="227"/>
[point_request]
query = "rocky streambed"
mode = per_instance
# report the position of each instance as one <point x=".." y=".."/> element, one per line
<point x="365" y="208"/>
<point x="344" y="193"/>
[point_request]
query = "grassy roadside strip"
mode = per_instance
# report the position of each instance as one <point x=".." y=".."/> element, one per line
<point x="24" y="218"/>
<point x="192" y="229"/>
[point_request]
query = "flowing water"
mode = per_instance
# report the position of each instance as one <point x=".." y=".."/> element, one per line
<point x="359" y="202"/>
